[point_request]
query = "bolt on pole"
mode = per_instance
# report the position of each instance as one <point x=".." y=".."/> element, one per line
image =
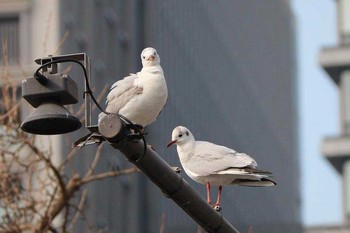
<point x="163" y="175"/>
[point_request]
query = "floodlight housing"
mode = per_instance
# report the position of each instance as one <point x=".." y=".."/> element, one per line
<point x="49" y="116"/>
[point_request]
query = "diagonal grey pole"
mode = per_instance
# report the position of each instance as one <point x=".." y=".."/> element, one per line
<point x="161" y="174"/>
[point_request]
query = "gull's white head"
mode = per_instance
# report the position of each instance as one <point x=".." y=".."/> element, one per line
<point x="180" y="135"/>
<point x="150" y="57"/>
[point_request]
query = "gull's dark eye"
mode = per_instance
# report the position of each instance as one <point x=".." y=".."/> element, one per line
<point x="154" y="53"/>
<point x="180" y="135"/>
<point x="143" y="57"/>
<point x="187" y="133"/>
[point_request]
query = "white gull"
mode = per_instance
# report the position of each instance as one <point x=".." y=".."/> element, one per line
<point x="208" y="163"/>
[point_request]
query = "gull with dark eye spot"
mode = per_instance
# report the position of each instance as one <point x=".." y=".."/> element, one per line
<point x="139" y="97"/>
<point x="211" y="164"/>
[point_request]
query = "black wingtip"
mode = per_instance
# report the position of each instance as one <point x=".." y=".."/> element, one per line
<point x="263" y="182"/>
<point x="268" y="180"/>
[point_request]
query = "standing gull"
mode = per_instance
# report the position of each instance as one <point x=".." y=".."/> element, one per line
<point x="208" y="163"/>
<point x="139" y="97"/>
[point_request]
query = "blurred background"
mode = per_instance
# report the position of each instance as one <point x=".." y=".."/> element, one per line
<point x="268" y="78"/>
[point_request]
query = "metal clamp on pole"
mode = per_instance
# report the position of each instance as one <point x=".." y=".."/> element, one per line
<point x="171" y="183"/>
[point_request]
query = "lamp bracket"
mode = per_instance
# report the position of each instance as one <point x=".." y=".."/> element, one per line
<point x="81" y="57"/>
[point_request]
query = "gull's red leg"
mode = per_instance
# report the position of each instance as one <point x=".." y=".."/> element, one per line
<point x="208" y="192"/>
<point x="219" y="197"/>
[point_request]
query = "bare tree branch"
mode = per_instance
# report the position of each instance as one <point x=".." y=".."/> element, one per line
<point x="34" y="191"/>
<point x="9" y="112"/>
<point x="79" y="210"/>
<point x="51" y="166"/>
<point x="94" y="162"/>
<point x="162" y="224"/>
<point x="109" y="174"/>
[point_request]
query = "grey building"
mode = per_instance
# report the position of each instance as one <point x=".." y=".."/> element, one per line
<point x="230" y="70"/>
<point x="336" y="62"/>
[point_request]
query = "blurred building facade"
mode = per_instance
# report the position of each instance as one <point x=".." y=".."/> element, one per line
<point x="230" y="69"/>
<point x="336" y="62"/>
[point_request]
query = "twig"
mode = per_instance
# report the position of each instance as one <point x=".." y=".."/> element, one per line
<point x="49" y="163"/>
<point x="61" y="202"/>
<point x="65" y="219"/>
<point x="60" y="44"/>
<point x="68" y="158"/>
<point x="162" y="224"/>
<point x="10" y="112"/>
<point x="79" y="210"/>
<point x="46" y="37"/>
<point x="94" y="162"/>
<point x="52" y="198"/>
<point x="109" y="174"/>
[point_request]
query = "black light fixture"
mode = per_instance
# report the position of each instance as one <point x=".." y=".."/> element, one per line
<point x="47" y="92"/>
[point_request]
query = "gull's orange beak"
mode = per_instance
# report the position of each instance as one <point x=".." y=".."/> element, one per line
<point x="171" y="143"/>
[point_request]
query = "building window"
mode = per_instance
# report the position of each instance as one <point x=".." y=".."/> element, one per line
<point x="9" y="36"/>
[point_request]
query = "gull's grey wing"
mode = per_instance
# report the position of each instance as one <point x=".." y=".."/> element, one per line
<point x="121" y="93"/>
<point x="210" y="158"/>
<point x="120" y="87"/>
